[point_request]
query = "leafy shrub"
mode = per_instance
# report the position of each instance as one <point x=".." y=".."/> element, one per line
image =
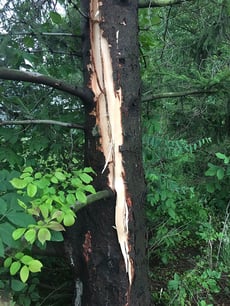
<point x="35" y="207"/>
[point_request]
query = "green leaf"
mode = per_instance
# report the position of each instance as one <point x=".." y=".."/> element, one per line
<point x="81" y="197"/>
<point x="220" y="155"/>
<point x="44" y="235"/>
<point x="71" y="199"/>
<point x="174" y="284"/>
<point x="17" y="285"/>
<point x="24" y="273"/>
<point x="76" y="182"/>
<point x="28" y="41"/>
<point x="2" y="249"/>
<point x="35" y="266"/>
<point x="31" y="190"/>
<point x="164" y="195"/>
<point x="220" y="174"/>
<point x="169" y="203"/>
<point x="28" y="170"/>
<point x="3" y="207"/>
<point x="172" y="213"/>
<point x="38" y="175"/>
<point x="18" y="233"/>
<point x="86" y="178"/>
<point x="55" y="226"/>
<point x="68" y="220"/>
<point x="155" y="20"/>
<point x="19" y="255"/>
<point x="7" y="262"/>
<point x="55" y="17"/>
<point x="22" y="204"/>
<point x="212" y="170"/>
<point x="60" y="176"/>
<point x="43" y="183"/>
<point x="54" y="180"/>
<point x="26" y="259"/>
<point x="20" y="218"/>
<point x="15" y="267"/>
<point x="56" y="236"/>
<point x="33" y="212"/>
<point x="18" y="183"/>
<point x="88" y="170"/>
<point x="30" y="235"/>
<point x="44" y="210"/>
<point x="57" y="214"/>
<point x="6" y="230"/>
<point x="90" y="189"/>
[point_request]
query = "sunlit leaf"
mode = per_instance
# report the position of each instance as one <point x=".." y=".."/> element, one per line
<point x="18" y="183"/>
<point x="31" y="190"/>
<point x="90" y="189"/>
<point x="70" y="199"/>
<point x="68" y="220"/>
<point x="60" y="176"/>
<point x="30" y="235"/>
<point x="86" y="178"/>
<point x="18" y="233"/>
<point x="44" y="235"/>
<point x="7" y="262"/>
<point x="56" y="226"/>
<point x="15" y="267"/>
<point x="24" y="273"/>
<point x="81" y="197"/>
<point x="35" y="266"/>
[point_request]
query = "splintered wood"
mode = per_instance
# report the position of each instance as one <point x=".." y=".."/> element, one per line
<point x="108" y="101"/>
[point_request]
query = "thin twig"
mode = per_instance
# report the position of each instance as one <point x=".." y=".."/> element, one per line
<point x="159" y="3"/>
<point x="177" y="94"/>
<point x="38" y="121"/>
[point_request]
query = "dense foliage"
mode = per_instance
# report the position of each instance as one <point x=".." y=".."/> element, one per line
<point x="184" y="58"/>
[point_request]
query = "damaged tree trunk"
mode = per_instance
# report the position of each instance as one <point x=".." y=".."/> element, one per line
<point x="109" y="259"/>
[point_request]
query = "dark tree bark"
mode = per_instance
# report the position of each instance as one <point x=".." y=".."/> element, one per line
<point x="107" y="244"/>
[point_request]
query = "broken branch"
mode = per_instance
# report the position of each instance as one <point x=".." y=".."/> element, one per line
<point x="104" y="194"/>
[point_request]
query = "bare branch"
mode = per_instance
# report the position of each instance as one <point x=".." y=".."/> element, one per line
<point x="104" y="194"/>
<point x="41" y="33"/>
<point x="159" y="3"/>
<point x="176" y="94"/>
<point x="27" y="76"/>
<point x="50" y="122"/>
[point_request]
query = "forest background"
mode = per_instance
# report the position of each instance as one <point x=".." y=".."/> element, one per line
<point x="185" y="71"/>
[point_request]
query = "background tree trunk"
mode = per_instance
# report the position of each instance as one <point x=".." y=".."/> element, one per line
<point x="95" y="251"/>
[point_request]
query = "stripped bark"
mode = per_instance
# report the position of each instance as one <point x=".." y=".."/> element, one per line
<point x="111" y="262"/>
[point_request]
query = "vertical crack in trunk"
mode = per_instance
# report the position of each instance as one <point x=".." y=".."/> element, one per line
<point x="108" y="101"/>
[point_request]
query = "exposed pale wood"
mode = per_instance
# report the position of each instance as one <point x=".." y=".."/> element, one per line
<point x="108" y="101"/>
